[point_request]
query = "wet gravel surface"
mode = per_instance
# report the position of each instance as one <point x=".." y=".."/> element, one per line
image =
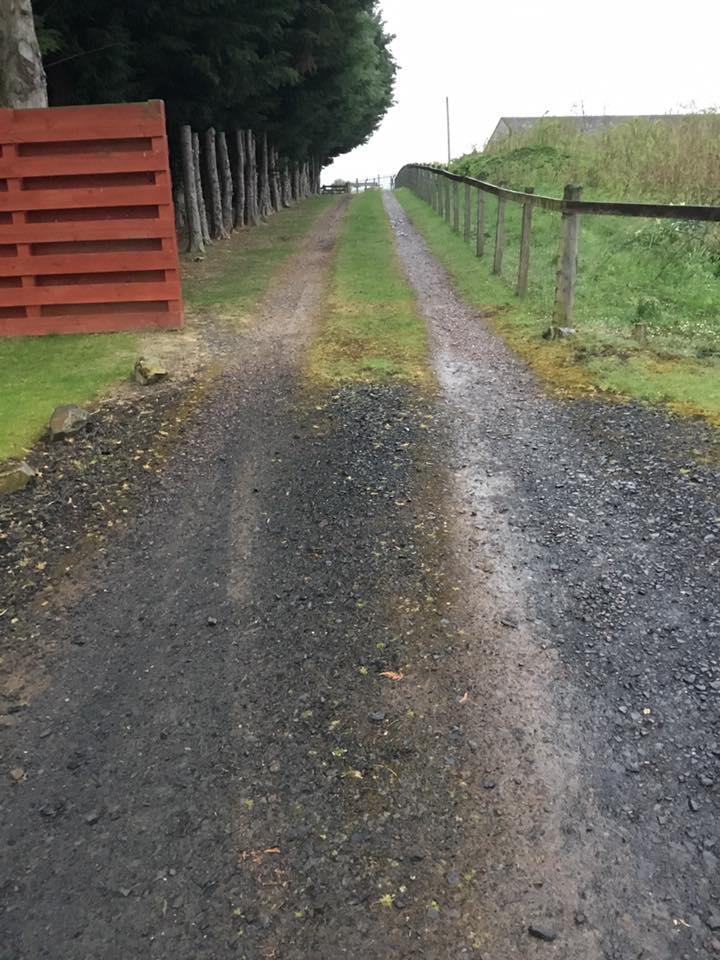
<point x="613" y="528"/>
<point x="378" y="672"/>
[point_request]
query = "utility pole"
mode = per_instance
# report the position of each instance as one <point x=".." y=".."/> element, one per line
<point x="447" y="114"/>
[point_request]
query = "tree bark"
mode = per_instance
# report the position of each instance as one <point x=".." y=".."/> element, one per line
<point x="192" y="207"/>
<point x="275" y="181"/>
<point x="315" y="181"/>
<point x="199" y="190"/>
<point x="252" y="215"/>
<point x="305" y="180"/>
<point x="22" y="77"/>
<point x="296" y="181"/>
<point x="226" y="184"/>
<point x="286" y="185"/>
<point x="240" y="179"/>
<point x="264" y="179"/>
<point x="211" y="168"/>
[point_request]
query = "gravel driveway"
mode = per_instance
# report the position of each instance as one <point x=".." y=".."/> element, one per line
<point x="597" y="525"/>
<point x="381" y="673"/>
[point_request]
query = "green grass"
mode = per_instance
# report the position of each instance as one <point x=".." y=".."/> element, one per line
<point x="38" y="373"/>
<point x="372" y="329"/>
<point x="232" y="279"/>
<point x="673" y="161"/>
<point x="622" y="264"/>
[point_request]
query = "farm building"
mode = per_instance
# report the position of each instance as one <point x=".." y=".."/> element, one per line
<point x="507" y="126"/>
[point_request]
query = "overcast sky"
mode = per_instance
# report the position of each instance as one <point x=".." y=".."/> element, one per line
<point x="525" y="58"/>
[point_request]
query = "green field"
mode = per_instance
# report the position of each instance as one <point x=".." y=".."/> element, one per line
<point x="371" y="325"/>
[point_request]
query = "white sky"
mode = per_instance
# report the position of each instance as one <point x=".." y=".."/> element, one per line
<point x="523" y="58"/>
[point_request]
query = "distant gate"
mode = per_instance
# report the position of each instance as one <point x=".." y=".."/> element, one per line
<point x="87" y="231"/>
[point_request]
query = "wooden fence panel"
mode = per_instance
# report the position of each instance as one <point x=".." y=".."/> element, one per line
<point x="87" y="229"/>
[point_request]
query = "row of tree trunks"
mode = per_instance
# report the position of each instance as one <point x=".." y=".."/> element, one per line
<point x="221" y="193"/>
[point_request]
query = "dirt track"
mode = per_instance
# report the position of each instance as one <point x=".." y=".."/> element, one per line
<point x="218" y="767"/>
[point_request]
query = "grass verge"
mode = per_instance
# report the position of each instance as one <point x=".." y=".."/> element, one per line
<point x="230" y="281"/>
<point x="372" y="328"/>
<point x="38" y="373"/>
<point x="604" y="355"/>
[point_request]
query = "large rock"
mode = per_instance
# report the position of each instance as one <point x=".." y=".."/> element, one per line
<point x="66" y="420"/>
<point x="559" y="333"/>
<point x="14" y="475"/>
<point x="148" y="370"/>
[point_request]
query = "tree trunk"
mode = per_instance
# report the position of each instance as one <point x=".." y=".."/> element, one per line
<point x="274" y="198"/>
<point x="264" y="179"/>
<point x="179" y="208"/>
<point x="315" y="175"/>
<point x="226" y="184"/>
<point x="240" y="179"/>
<point x="286" y="185"/>
<point x="192" y="207"/>
<point x="205" y="226"/>
<point x="22" y="77"/>
<point x="296" y="181"/>
<point x="252" y="215"/>
<point x="278" y="180"/>
<point x="216" y="210"/>
<point x="304" y="181"/>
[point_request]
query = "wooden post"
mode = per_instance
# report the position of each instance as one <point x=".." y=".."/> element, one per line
<point x="524" y="263"/>
<point x="194" y="226"/>
<point x="468" y="214"/>
<point x="567" y="262"/>
<point x="480" y="237"/>
<point x="456" y="207"/>
<point x="226" y="183"/>
<point x="216" y="206"/>
<point x="274" y="180"/>
<point x="252" y="216"/>
<point x="239" y="179"/>
<point x="499" y="236"/>
<point x="264" y="177"/>
<point x="446" y="186"/>
<point x="286" y="185"/>
<point x="199" y="190"/>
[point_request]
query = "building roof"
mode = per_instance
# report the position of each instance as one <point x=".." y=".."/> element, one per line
<point x="507" y="125"/>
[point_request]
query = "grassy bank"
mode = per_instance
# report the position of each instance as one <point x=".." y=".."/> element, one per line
<point x="38" y="373"/>
<point x="622" y="274"/>
<point x="371" y="328"/>
<point x="673" y="160"/>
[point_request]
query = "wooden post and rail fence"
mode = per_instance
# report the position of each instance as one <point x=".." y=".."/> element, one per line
<point x="441" y="189"/>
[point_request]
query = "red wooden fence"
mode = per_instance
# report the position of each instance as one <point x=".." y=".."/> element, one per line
<point x="87" y="232"/>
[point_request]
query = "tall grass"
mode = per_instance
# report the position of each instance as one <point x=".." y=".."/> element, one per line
<point x="676" y="159"/>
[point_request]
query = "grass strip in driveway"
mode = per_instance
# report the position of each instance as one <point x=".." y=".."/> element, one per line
<point x="599" y="357"/>
<point x="235" y="274"/>
<point x="372" y="329"/>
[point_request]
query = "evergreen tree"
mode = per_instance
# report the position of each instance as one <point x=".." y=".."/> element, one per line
<point x="316" y="75"/>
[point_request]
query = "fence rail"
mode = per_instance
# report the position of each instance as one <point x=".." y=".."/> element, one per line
<point x="441" y="189"/>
